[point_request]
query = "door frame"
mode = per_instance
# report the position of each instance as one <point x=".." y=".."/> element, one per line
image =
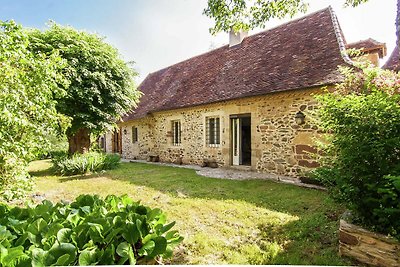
<point x="117" y="141"/>
<point x="236" y="160"/>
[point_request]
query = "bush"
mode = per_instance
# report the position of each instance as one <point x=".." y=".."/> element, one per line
<point x="89" y="231"/>
<point x="83" y="163"/>
<point x="29" y="84"/>
<point x="362" y="162"/>
<point x="15" y="181"/>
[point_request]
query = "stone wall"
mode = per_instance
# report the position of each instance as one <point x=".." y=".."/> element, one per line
<point x="367" y="247"/>
<point x="279" y="145"/>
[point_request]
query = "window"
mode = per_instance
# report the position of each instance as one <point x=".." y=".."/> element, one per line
<point x="176" y="131"/>
<point x="134" y="134"/>
<point x="213" y="131"/>
<point x="102" y="143"/>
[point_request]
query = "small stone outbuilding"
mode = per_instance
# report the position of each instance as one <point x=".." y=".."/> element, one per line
<point x="247" y="104"/>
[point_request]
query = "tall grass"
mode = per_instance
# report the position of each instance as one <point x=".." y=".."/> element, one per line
<point x="84" y="163"/>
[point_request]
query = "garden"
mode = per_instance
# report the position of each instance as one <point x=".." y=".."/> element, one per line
<point x="221" y="221"/>
<point x="79" y="206"/>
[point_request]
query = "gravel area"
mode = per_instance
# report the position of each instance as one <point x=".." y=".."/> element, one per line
<point x="233" y="174"/>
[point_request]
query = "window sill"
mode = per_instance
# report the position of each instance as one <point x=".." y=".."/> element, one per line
<point x="213" y="145"/>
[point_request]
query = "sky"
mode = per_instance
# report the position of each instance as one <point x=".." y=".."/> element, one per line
<point x="159" y="33"/>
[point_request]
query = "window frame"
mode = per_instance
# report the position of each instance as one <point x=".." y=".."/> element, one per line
<point x="176" y="128"/>
<point x="135" y="134"/>
<point x="213" y="131"/>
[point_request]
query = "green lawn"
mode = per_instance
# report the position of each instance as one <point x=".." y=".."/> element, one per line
<point x="223" y="221"/>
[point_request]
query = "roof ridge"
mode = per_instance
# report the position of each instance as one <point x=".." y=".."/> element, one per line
<point x="247" y="38"/>
<point x="339" y="37"/>
<point x="366" y="40"/>
<point x="301" y="53"/>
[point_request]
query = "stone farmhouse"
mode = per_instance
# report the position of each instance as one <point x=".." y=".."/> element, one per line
<point x="247" y="104"/>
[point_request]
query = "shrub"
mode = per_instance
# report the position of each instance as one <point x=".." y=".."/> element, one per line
<point x="89" y="231"/>
<point x="28" y="85"/>
<point x="15" y="181"/>
<point x="83" y="163"/>
<point x="362" y="162"/>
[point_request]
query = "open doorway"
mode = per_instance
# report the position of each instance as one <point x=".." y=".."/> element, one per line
<point x="241" y="139"/>
<point x="117" y="141"/>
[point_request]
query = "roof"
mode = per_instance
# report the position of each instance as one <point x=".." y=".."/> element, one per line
<point x="393" y="63"/>
<point x="369" y="45"/>
<point x="300" y="54"/>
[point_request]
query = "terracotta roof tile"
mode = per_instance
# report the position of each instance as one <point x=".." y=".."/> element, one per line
<point x="369" y="45"/>
<point x="299" y="54"/>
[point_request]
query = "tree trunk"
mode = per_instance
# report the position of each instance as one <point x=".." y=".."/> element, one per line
<point x="79" y="142"/>
<point x="398" y="24"/>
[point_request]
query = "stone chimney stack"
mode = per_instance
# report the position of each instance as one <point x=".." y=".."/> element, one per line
<point x="236" y="38"/>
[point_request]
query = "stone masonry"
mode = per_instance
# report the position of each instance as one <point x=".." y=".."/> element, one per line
<point x="279" y="145"/>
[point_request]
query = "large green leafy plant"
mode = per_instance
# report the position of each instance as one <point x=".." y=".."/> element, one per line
<point x="84" y="163"/>
<point x="361" y="165"/>
<point x="89" y="231"/>
<point x="28" y="84"/>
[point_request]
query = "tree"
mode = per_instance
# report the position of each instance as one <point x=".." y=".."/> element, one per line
<point x="28" y="84"/>
<point x="101" y="85"/>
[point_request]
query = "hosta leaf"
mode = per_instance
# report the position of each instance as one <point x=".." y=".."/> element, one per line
<point x="123" y="249"/>
<point x="95" y="232"/>
<point x="35" y="239"/>
<point x="117" y="221"/>
<point x="53" y="229"/>
<point x="160" y="246"/>
<point x="21" y="240"/>
<point x="168" y="252"/>
<point x="14" y="255"/>
<point x="64" y="235"/>
<point x="153" y="214"/>
<point x="60" y="249"/>
<point x="141" y="210"/>
<point x="113" y="234"/>
<point x="131" y="233"/>
<point x="5" y="234"/>
<point x="167" y="227"/>
<point x="108" y="256"/>
<point x="43" y="209"/>
<point x="74" y="217"/>
<point x="149" y="237"/>
<point x="126" y="200"/>
<point x="85" y="200"/>
<point x="139" y="227"/>
<point x="37" y="226"/>
<point x="147" y="248"/>
<point x="85" y="209"/>
<point x="63" y="260"/>
<point x="88" y="257"/>
<point x="172" y="235"/>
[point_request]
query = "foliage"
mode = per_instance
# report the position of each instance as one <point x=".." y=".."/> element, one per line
<point x="101" y="85"/>
<point x="56" y="143"/>
<point x="223" y="221"/>
<point x="84" y="163"/>
<point x="362" y="161"/>
<point x="28" y="83"/>
<point x="89" y="231"/>
<point x="250" y="14"/>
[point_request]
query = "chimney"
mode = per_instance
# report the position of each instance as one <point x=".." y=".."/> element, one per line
<point x="236" y="38"/>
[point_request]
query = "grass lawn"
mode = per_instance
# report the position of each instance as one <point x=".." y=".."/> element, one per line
<point x="223" y="221"/>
